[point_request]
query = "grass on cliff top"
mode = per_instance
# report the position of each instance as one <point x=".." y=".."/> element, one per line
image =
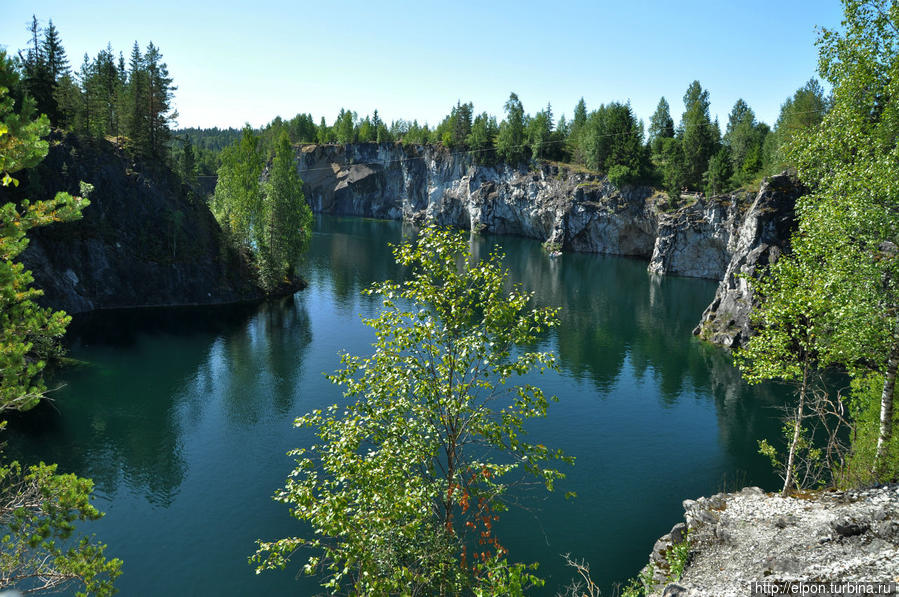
<point x="574" y="168"/>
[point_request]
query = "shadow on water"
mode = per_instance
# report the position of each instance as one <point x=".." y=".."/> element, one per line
<point x="117" y="415"/>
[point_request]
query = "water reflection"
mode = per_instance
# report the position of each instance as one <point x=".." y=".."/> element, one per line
<point x="149" y="376"/>
<point x="183" y="418"/>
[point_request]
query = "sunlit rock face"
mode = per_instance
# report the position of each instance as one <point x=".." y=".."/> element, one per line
<point x="715" y="238"/>
<point x="761" y="238"/>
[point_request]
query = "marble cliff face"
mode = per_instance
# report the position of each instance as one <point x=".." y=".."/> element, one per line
<point x="721" y="238"/>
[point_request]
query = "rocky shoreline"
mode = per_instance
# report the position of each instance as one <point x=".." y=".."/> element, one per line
<point x="720" y="238"/>
<point x="825" y="537"/>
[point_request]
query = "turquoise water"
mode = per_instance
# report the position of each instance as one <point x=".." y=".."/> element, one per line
<point x="183" y="418"/>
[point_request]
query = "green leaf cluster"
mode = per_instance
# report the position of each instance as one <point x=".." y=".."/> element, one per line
<point x="404" y="484"/>
<point x="267" y="217"/>
<point x="38" y="506"/>
<point x="835" y="300"/>
<point x="39" y="510"/>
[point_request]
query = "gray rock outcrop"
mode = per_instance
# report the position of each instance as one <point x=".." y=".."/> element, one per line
<point x="762" y="237"/>
<point x="720" y="238"/>
<point x="820" y="537"/>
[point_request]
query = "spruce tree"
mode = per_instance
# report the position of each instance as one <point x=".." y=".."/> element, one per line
<point x="661" y="126"/>
<point x="138" y="130"/>
<point x="576" y="134"/>
<point x="160" y="93"/>
<point x="698" y="140"/>
<point x="511" y="137"/>
<point x="38" y="80"/>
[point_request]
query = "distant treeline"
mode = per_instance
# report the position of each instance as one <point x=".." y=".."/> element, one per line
<point x="133" y="103"/>
<point x="693" y="154"/>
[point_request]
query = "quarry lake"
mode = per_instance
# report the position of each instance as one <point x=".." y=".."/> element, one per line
<point x="183" y="418"/>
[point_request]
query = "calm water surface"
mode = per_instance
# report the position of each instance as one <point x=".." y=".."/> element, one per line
<point x="183" y="418"/>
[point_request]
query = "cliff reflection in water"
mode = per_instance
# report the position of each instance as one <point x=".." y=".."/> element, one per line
<point x="614" y="312"/>
<point x="119" y="417"/>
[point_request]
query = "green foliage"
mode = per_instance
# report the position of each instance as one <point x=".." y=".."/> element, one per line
<point x="698" y="137"/>
<point x="39" y="510"/>
<point x="103" y="98"/>
<point x="673" y="170"/>
<point x="269" y="219"/>
<point x="482" y="138"/>
<point x="719" y="172"/>
<point x="661" y="126"/>
<point x="613" y="137"/>
<point x="287" y="218"/>
<point x="677" y="556"/>
<point x="404" y="481"/>
<point x="865" y="410"/>
<point x="237" y="203"/>
<point x="455" y="129"/>
<point x="24" y="325"/>
<point x="539" y="133"/>
<point x="848" y="228"/>
<point x="745" y="139"/>
<point x="510" y="140"/>
<point x="799" y="114"/>
<point x="808" y="467"/>
<point x="790" y="321"/>
<point x="620" y="175"/>
<point x="38" y="507"/>
<point x="344" y="127"/>
<point x="576" y="133"/>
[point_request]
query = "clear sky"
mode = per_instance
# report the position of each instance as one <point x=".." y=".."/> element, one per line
<point x="236" y="62"/>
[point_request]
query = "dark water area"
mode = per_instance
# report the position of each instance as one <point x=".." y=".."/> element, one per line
<point x="183" y="418"/>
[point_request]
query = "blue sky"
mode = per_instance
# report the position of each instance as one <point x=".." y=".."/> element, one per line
<point x="236" y="62"/>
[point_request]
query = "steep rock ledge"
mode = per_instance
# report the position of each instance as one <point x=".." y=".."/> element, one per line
<point x="762" y="237"/>
<point x="823" y="537"/>
<point x="141" y="242"/>
<point x="716" y="238"/>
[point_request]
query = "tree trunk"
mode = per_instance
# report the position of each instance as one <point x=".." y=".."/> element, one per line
<point x="797" y="430"/>
<point x="886" y="413"/>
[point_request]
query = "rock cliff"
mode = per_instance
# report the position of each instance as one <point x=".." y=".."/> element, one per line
<point x="716" y="238"/>
<point x="735" y="539"/>
<point x="143" y="241"/>
<point x="762" y="237"/>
